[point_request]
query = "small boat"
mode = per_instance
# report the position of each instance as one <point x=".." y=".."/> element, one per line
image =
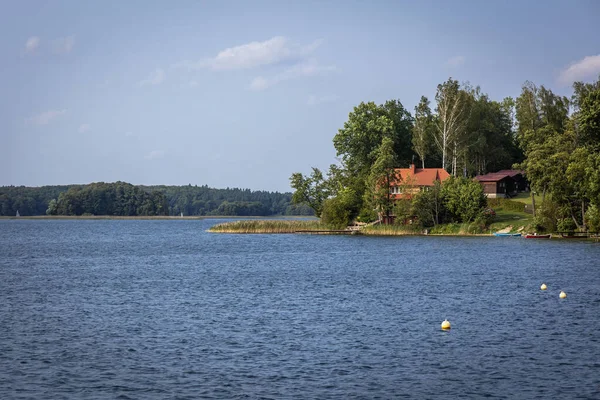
<point x="506" y="234"/>
<point x="575" y="235"/>
<point x="536" y="236"/>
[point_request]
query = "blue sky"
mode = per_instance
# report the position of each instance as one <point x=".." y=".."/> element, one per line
<point x="243" y="94"/>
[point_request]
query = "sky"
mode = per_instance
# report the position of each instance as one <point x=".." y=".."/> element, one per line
<point x="243" y="94"/>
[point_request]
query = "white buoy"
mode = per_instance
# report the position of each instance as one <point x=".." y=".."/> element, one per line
<point x="543" y="287"/>
<point x="445" y="325"/>
<point x="562" y="295"/>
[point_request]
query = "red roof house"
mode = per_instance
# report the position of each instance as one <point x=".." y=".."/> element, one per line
<point x="413" y="180"/>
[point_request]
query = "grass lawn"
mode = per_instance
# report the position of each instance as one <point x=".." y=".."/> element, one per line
<point x="525" y="197"/>
<point x="510" y="218"/>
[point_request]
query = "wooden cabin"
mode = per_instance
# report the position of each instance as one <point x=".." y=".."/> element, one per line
<point x="505" y="183"/>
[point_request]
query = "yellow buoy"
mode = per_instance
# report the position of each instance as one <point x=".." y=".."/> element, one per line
<point x="445" y="325"/>
<point x="562" y="295"/>
<point x="543" y="287"/>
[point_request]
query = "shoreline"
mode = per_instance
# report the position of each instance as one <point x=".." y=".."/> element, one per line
<point x="152" y="217"/>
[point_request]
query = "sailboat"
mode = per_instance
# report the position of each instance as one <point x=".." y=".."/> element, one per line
<point x="18" y="215"/>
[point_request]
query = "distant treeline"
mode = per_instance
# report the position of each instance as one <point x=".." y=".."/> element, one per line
<point x="124" y="199"/>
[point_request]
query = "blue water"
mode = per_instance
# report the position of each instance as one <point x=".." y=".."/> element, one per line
<point x="164" y="310"/>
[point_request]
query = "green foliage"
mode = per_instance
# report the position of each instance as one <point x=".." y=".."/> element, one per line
<point x="189" y="200"/>
<point x="202" y="200"/>
<point x="587" y="102"/>
<point x="423" y="130"/>
<point x="546" y="218"/>
<point x="592" y="218"/>
<point x="119" y="199"/>
<point x="429" y="206"/>
<point x="464" y="199"/>
<point x="382" y="176"/>
<point x="565" y="225"/>
<point x="357" y="142"/>
<point x="27" y="200"/>
<point x="339" y="211"/>
<point x="403" y="210"/>
<point x="311" y="190"/>
<point x="453" y="106"/>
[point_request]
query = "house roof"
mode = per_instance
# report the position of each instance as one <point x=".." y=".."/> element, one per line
<point x="511" y="172"/>
<point x="492" y="177"/>
<point x="421" y="176"/>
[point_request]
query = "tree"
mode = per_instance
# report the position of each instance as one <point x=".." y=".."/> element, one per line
<point x="357" y="142"/>
<point x="312" y="190"/>
<point x="491" y="145"/>
<point x="422" y="130"/>
<point x="383" y="174"/>
<point x="586" y="100"/>
<point x="542" y="120"/>
<point x="452" y="114"/>
<point x="339" y="211"/>
<point x="428" y="205"/>
<point x="464" y="198"/>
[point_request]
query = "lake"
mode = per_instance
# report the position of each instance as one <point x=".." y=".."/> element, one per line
<point x="147" y="309"/>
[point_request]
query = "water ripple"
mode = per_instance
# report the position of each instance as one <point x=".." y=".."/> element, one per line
<point x="164" y="310"/>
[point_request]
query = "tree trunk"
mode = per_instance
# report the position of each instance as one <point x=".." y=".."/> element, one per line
<point x="575" y="220"/>
<point x="532" y="201"/>
<point x="423" y="163"/>
<point x="584" y="228"/>
<point x="444" y="146"/>
<point x="543" y="196"/>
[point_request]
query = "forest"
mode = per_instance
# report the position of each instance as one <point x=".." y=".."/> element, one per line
<point x="124" y="199"/>
<point x="554" y="139"/>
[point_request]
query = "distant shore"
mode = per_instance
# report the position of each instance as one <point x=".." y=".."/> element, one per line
<point x="153" y="217"/>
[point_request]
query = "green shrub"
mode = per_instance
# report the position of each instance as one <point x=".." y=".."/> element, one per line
<point x="592" y="218"/>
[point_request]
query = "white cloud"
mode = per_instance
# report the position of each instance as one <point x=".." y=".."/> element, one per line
<point x="153" y="155"/>
<point x="253" y="54"/>
<point x="588" y="67"/>
<point x="316" y="100"/>
<point x="63" y="45"/>
<point x="455" y="61"/>
<point x="45" y="118"/>
<point x="155" y="78"/>
<point x="309" y="68"/>
<point x="259" y="83"/>
<point x="84" y="128"/>
<point x="32" y="44"/>
<point x="193" y="83"/>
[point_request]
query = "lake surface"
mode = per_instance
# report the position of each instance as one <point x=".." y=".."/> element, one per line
<point x="107" y="309"/>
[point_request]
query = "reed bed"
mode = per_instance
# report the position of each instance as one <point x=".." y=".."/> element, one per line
<point x="266" y="226"/>
<point x="390" y="230"/>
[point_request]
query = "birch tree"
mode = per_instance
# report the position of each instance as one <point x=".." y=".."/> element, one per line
<point x="422" y="133"/>
<point x="452" y="118"/>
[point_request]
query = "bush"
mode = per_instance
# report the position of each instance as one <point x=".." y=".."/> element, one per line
<point x="546" y="217"/>
<point x="566" y="225"/>
<point x="592" y="218"/>
<point x="337" y="212"/>
<point x="464" y="199"/>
